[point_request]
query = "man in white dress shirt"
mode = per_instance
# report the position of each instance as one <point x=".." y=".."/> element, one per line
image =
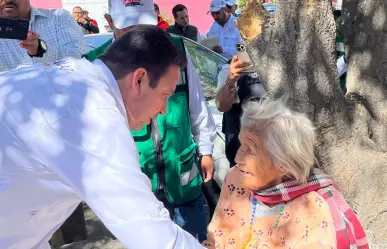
<point x="64" y="130"/>
<point x="224" y="28"/>
<point x="175" y="172"/>
<point x="53" y="35"/>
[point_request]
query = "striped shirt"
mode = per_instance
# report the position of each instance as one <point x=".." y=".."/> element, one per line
<point x="57" y="28"/>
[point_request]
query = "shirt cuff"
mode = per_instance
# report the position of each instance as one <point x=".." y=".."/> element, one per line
<point x="206" y="150"/>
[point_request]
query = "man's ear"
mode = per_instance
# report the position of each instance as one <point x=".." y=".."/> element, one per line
<point x="140" y="80"/>
<point x="109" y="20"/>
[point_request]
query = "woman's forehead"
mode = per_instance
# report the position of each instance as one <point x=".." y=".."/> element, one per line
<point x="250" y="135"/>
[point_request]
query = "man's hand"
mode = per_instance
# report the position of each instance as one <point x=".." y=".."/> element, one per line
<point x="32" y="43"/>
<point x="218" y="49"/>
<point x="82" y="20"/>
<point x="207" y="165"/>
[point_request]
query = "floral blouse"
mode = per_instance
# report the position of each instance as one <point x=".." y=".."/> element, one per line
<point x="306" y="222"/>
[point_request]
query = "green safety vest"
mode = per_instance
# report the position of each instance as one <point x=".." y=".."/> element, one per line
<point x="168" y="154"/>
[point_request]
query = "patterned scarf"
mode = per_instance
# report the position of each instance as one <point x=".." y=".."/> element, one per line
<point x="349" y="232"/>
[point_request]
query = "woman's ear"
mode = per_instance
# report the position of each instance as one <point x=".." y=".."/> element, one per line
<point x="280" y="171"/>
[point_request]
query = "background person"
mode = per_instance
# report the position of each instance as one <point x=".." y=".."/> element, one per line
<point x="224" y="28"/>
<point x="161" y="23"/>
<point x="234" y="89"/>
<point x="182" y="26"/>
<point x="85" y="25"/>
<point x="231" y="6"/>
<point x="87" y="18"/>
<point x="47" y="40"/>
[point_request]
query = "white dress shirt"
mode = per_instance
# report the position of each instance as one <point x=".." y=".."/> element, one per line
<point x="228" y="35"/>
<point x="57" y="28"/>
<point x="202" y="123"/>
<point x="65" y="138"/>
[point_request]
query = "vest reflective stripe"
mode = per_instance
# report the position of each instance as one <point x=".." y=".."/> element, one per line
<point x="188" y="176"/>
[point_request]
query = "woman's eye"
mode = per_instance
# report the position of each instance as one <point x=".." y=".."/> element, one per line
<point x="245" y="149"/>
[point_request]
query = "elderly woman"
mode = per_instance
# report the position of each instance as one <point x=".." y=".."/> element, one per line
<point x="274" y="198"/>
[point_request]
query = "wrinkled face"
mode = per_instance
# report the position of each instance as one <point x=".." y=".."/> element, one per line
<point x="255" y="166"/>
<point x="77" y="13"/>
<point x="15" y="9"/>
<point x="143" y="103"/>
<point x="182" y="18"/>
<point x="220" y="16"/>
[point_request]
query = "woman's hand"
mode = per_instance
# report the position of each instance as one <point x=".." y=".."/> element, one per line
<point x="237" y="67"/>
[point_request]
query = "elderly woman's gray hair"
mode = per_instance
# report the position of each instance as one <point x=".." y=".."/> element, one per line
<point x="289" y="135"/>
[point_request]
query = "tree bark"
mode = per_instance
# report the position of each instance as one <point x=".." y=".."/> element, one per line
<point x="294" y="52"/>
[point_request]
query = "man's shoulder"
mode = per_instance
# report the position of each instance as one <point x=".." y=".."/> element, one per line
<point x="51" y="12"/>
<point x="192" y="27"/>
<point x="232" y="20"/>
<point x="172" y="27"/>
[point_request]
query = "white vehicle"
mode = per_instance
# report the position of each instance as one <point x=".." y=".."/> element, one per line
<point x="207" y="64"/>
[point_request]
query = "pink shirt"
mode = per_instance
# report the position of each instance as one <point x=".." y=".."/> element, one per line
<point x="306" y="222"/>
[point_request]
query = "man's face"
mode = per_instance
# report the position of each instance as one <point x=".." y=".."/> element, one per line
<point x="77" y="13"/>
<point x="220" y="16"/>
<point x="15" y="9"/>
<point x="182" y="18"/>
<point x="85" y="15"/>
<point x="231" y="9"/>
<point x="148" y="102"/>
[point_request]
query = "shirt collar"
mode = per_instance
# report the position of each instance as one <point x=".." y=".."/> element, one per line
<point x="112" y="82"/>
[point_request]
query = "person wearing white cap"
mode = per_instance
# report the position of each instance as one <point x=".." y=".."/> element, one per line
<point x="169" y="145"/>
<point x="224" y="28"/>
<point x="231" y="6"/>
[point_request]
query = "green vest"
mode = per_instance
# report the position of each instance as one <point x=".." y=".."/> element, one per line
<point x="167" y="152"/>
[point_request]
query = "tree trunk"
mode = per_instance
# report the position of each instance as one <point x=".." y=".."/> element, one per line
<point x="294" y="52"/>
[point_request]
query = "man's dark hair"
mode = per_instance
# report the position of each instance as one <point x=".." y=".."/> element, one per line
<point x="177" y="8"/>
<point x="144" y="46"/>
<point x="156" y="7"/>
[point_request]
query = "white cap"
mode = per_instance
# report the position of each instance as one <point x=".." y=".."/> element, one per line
<point x="216" y="5"/>
<point x="126" y="13"/>
<point x="230" y="2"/>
